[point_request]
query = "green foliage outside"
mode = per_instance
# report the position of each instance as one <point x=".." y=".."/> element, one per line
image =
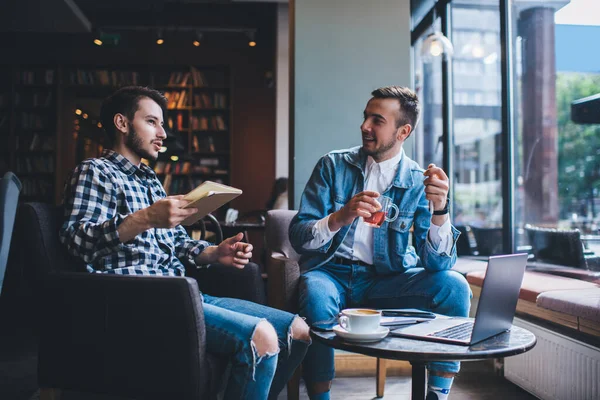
<point x="578" y="148"/>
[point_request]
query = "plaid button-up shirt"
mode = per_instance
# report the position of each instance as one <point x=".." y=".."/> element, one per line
<point x="99" y="195"/>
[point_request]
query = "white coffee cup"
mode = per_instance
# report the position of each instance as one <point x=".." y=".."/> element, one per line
<point x="360" y="320"/>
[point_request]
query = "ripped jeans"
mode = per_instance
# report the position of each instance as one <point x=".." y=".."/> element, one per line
<point x="230" y="325"/>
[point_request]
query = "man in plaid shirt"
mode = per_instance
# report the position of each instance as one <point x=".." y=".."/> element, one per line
<point x="118" y="220"/>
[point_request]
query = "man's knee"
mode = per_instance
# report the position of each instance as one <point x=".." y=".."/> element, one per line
<point x="265" y="339"/>
<point x="300" y="330"/>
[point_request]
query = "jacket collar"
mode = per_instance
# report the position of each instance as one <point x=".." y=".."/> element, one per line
<point x="403" y="179"/>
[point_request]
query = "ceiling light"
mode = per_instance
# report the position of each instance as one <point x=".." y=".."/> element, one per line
<point x="174" y="158"/>
<point x="98" y="42"/>
<point x="198" y="40"/>
<point x="159" y="37"/>
<point x="251" y="41"/>
<point x="78" y="111"/>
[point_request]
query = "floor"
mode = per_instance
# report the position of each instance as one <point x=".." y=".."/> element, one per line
<point x="475" y="381"/>
<point x="18" y="378"/>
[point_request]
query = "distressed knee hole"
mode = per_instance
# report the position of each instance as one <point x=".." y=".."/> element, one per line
<point x="300" y="330"/>
<point x="265" y="339"/>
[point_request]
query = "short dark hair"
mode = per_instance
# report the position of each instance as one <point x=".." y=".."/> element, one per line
<point x="126" y="101"/>
<point x="409" y="103"/>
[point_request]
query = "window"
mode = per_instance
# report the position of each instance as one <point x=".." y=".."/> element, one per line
<point x="428" y="86"/>
<point x="557" y="162"/>
<point x="477" y="183"/>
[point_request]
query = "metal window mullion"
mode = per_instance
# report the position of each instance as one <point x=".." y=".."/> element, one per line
<point x="447" y="101"/>
<point x="508" y="218"/>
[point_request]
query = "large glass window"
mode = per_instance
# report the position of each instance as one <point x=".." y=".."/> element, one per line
<point x="477" y="106"/>
<point x="428" y="86"/>
<point x="557" y="161"/>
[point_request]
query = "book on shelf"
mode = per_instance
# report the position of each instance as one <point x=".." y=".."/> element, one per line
<point x="207" y="197"/>
<point x="198" y="78"/>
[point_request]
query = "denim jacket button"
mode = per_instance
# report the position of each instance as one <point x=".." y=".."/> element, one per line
<point x="402" y="225"/>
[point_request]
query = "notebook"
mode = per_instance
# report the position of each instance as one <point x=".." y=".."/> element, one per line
<point x="495" y="312"/>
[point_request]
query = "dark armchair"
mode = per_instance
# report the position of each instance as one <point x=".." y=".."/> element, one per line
<point x="133" y="336"/>
<point x="283" y="271"/>
<point x="10" y="186"/>
<point x="561" y="247"/>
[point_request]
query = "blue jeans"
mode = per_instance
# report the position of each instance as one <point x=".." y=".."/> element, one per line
<point x="326" y="290"/>
<point x="230" y="325"/>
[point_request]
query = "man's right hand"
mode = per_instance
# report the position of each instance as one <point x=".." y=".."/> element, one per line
<point x="168" y="212"/>
<point x="361" y="205"/>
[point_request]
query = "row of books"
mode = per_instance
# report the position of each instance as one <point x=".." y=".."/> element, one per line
<point x="194" y="77"/>
<point x="35" y="77"/>
<point x="205" y="100"/>
<point x="36" y="187"/>
<point x="35" y="99"/>
<point x="180" y="167"/>
<point x="32" y="120"/>
<point x="178" y="122"/>
<point x="36" y="142"/>
<point x="204" y="166"/>
<point x="205" y="123"/>
<point x="176" y="99"/>
<point x="33" y="164"/>
<point x="204" y="144"/>
<point x="103" y="77"/>
<point x="177" y="184"/>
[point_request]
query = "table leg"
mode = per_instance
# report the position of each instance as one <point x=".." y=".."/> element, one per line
<point x="418" y="381"/>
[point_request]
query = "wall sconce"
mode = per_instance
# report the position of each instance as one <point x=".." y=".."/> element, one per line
<point x="436" y="45"/>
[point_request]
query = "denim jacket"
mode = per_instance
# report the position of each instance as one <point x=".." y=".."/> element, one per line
<point x="337" y="177"/>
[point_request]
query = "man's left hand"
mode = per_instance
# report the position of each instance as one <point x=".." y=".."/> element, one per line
<point x="436" y="186"/>
<point x="234" y="252"/>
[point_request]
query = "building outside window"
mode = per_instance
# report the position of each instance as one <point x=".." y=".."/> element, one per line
<point x="557" y="162"/>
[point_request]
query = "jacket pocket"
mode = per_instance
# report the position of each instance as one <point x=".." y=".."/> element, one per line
<point x="402" y="223"/>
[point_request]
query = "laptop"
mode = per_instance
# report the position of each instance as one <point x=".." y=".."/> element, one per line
<point x="495" y="312"/>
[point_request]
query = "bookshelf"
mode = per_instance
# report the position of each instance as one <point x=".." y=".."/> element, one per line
<point x="28" y="124"/>
<point x="199" y="127"/>
<point x="46" y="139"/>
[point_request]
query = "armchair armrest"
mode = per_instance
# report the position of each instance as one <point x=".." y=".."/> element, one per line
<point x="226" y="281"/>
<point x="116" y="334"/>
<point x="282" y="285"/>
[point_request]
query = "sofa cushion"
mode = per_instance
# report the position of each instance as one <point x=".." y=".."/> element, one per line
<point x="583" y="303"/>
<point x="535" y="283"/>
<point x="464" y="265"/>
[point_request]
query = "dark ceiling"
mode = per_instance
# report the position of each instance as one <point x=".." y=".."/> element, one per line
<point x="79" y="16"/>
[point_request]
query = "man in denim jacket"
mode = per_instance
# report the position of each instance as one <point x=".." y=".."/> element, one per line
<point x="346" y="263"/>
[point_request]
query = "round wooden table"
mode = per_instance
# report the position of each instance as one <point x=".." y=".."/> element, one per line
<point x="421" y="352"/>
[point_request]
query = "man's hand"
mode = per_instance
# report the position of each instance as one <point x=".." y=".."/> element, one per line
<point x="361" y="205"/>
<point x="230" y="251"/>
<point x="168" y="212"/>
<point x="436" y="191"/>
<point x="165" y="213"/>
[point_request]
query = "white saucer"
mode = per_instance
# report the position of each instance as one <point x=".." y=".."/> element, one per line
<point x="362" y="337"/>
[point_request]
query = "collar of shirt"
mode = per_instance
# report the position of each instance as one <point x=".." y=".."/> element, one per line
<point x="126" y="166"/>
<point x="384" y="171"/>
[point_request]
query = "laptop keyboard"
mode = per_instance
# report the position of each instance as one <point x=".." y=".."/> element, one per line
<point x="459" y="332"/>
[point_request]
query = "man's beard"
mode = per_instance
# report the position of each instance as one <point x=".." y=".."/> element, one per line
<point x="377" y="153"/>
<point x="135" y="144"/>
